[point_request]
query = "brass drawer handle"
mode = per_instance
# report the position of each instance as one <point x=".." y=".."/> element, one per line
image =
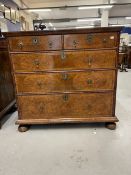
<point x="105" y="40"/>
<point x="41" y="107"/>
<point x="65" y="97"/>
<point x="35" y="41"/>
<point x="50" y="43"/>
<point x="39" y="83"/>
<point x="65" y="76"/>
<point x="20" y="44"/>
<point x="89" y="39"/>
<point x="90" y="61"/>
<point x="89" y="81"/>
<point x="75" y="43"/>
<point x="63" y="56"/>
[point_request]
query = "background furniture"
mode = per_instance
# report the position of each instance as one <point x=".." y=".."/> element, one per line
<point x="7" y="94"/>
<point x="129" y="57"/>
<point x="122" y="60"/>
<point x="65" y="76"/>
<point x="122" y="63"/>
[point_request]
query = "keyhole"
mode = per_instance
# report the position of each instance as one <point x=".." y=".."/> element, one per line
<point x="35" y="41"/>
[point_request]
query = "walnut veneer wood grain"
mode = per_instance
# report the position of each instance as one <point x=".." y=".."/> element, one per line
<point x="35" y="43"/>
<point x="95" y="40"/>
<point x="66" y="105"/>
<point x="65" y="81"/>
<point x="64" y="60"/>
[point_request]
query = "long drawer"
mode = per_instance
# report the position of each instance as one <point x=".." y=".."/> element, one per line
<point x="88" y="41"/>
<point x="35" y="43"/>
<point x="65" y="81"/>
<point x="65" y="105"/>
<point x="64" y="60"/>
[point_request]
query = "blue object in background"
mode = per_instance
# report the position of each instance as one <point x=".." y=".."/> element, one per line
<point x="126" y="30"/>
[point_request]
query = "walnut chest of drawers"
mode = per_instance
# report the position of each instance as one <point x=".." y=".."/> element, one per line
<point x="65" y="76"/>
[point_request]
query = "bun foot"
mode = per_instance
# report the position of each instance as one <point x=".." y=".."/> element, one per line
<point x="23" y="128"/>
<point x="111" y="126"/>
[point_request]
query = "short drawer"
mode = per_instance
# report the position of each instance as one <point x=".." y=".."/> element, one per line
<point x="35" y="43"/>
<point x="65" y="105"/>
<point x="65" y="81"/>
<point x="95" y="40"/>
<point x="56" y="60"/>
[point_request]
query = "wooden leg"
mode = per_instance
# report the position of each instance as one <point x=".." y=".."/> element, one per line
<point x="111" y="125"/>
<point x="23" y="128"/>
<point x="0" y="124"/>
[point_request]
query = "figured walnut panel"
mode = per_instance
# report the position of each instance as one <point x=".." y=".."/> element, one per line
<point x="65" y="105"/>
<point x="88" y="41"/>
<point x="35" y="43"/>
<point x="65" y="81"/>
<point x="64" y="60"/>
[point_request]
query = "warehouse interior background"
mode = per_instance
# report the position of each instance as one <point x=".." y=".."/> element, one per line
<point x="70" y="14"/>
<point x="71" y="149"/>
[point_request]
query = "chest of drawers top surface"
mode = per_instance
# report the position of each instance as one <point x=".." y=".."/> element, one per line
<point x="63" y="32"/>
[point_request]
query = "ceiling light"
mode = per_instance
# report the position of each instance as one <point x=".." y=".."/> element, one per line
<point x="91" y="19"/>
<point x="95" y="7"/>
<point x="78" y="27"/>
<point x="128" y="17"/>
<point x="39" y="10"/>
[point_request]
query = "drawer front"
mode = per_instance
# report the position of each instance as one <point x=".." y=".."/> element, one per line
<point x="65" y="81"/>
<point x="64" y="60"/>
<point x="65" y="105"/>
<point x="35" y="43"/>
<point x="95" y="40"/>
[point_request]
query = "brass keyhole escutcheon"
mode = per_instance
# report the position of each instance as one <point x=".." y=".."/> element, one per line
<point x="50" y="43"/>
<point x="63" y="56"/>
<point x="35" y="41"/>
<point x="65" y="76"/>
<point x="65" y="97"/>
<point x="20" y="44"/>
<point x="89" y="39"/>
<point x="89" y="81"/>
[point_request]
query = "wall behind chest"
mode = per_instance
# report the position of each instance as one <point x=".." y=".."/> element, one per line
<point x="7" y="25"/>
